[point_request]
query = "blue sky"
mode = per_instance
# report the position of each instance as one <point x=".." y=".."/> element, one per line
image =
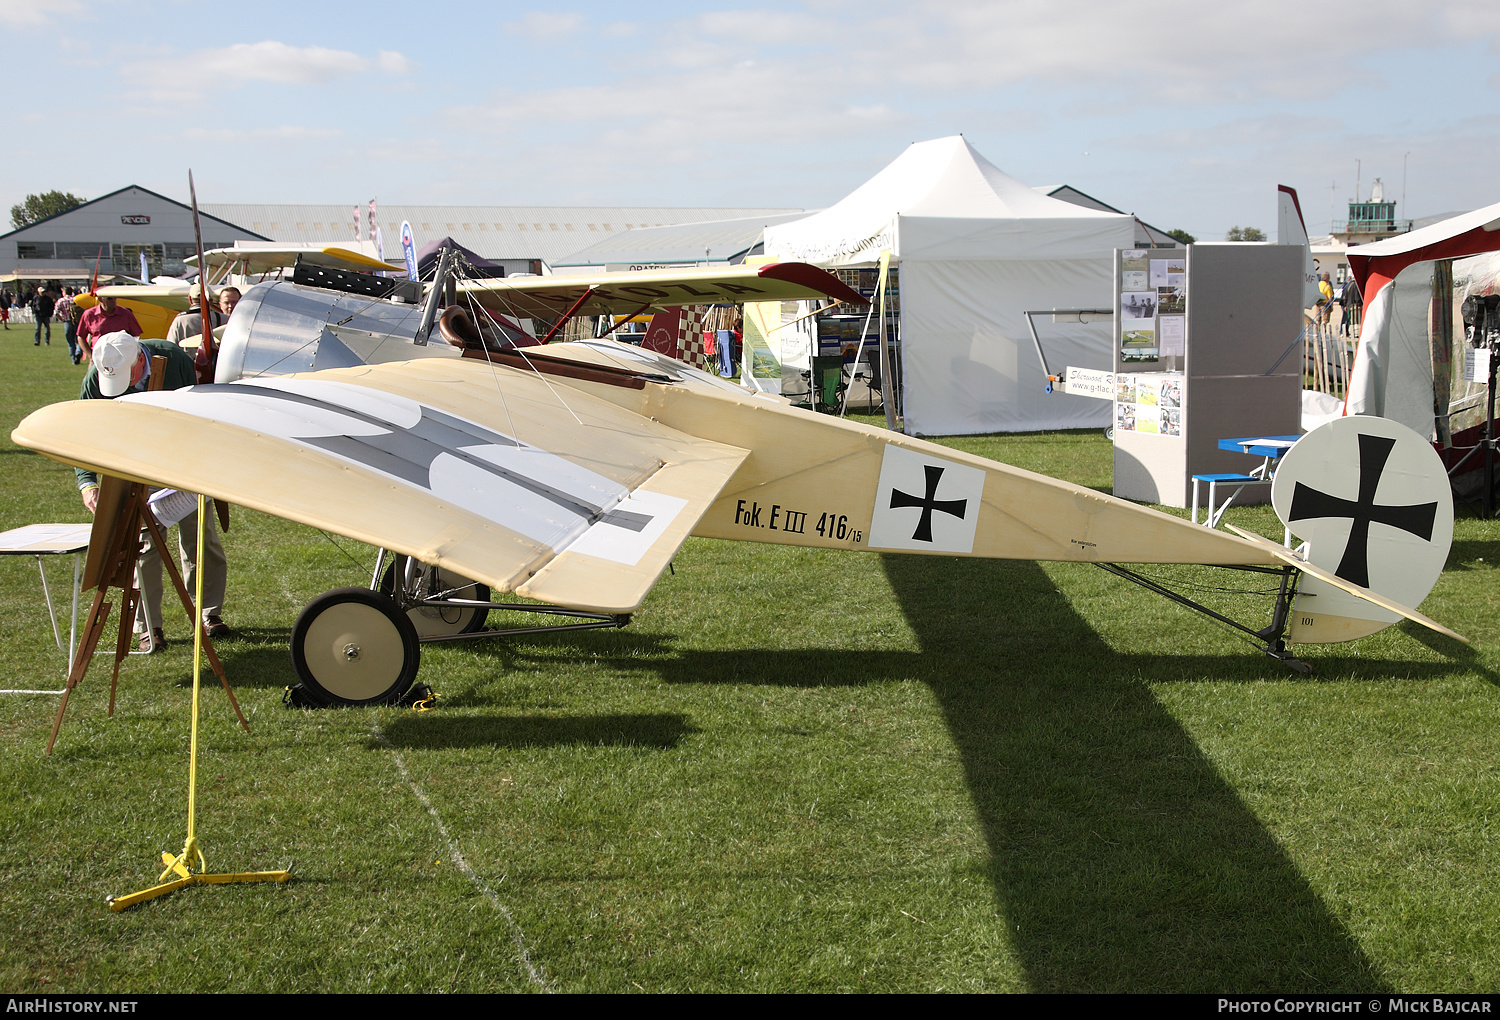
<point x="1185" y="114"/>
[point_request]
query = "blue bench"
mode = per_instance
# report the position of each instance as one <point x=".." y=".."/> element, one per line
<point x="1215" y="510"/>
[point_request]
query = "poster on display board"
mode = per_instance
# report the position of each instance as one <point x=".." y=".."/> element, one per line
<point x="760" y="360"/>
<point x="1172" y="329"/>
<point x="1152" y="305"/>
<point x="777" y="351"/>
<point x="1151" y="403"/>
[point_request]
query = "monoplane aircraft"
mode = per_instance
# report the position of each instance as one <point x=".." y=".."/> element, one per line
<point x="570" y="474"/>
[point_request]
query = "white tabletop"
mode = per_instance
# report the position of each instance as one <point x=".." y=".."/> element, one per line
<point x="41" y="539"/>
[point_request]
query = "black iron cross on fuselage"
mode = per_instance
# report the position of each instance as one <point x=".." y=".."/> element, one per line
<point x="1417" y="519"/>
<point x="928" y="502"/>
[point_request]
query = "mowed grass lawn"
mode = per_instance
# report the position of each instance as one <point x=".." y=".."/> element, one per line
<point x="796" y="770"/>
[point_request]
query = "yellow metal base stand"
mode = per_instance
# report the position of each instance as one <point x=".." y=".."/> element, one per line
<point x="182" y="865"/>
<point x="186" y="876"/>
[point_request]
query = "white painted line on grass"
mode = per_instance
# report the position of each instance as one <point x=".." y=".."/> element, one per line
<point x="533" y="971"/>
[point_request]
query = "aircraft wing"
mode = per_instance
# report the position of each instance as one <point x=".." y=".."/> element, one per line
<point x="173" y="298"/>
<point x="492" y="472"/>
<point x="547" y="297"/>
<point x="258" y="259"/>
<point x="1286" y="555"/>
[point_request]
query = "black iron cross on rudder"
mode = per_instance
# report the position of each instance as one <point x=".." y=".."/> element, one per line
<point x="928" y="503"/>
<point x="1416" y="519"/>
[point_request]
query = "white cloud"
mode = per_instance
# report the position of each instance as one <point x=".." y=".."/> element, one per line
<point x="268" y="61"/>
<point x="391" y="62"/>
<point x="762" y="27"/>
<point x="1181" y="50"/>
<point x="749" y="104"/>
<point x="1189" y="52"/>
<point x="282" y="133"/>
<point x="748" y="74"/>
<point x="29" y="13"/>
<point x="546" y="25"/>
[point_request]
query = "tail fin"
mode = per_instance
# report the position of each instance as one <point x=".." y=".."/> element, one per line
<point x="1370" y="499"/>
<point x="1291" y="228"/>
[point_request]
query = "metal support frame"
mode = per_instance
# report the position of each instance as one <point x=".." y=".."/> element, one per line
<point x="1271" y="639"/>
<point x="1037" y="342"/>
<point x="434" y="298"/>
<point x="587" y="293"/>
<point x="639" y="311"/>
<point x="189" y="867"/>
<point x="593" y="621"/>
<point x="1215" y="511"/>
<point x="408" y="600"/>
<point x="1486" y="334"/>
<point x="52" y="613"/>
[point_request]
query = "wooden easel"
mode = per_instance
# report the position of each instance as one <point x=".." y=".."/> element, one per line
<point x="114" y="548"/>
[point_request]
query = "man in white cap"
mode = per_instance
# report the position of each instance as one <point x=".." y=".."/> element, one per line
<point x="121" y="364"/>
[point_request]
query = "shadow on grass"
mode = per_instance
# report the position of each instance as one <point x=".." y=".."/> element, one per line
<point x="256" y="657"/>
<point x="1464" y="554"/>
<point x="1120" y="857"/>
<point x="1465" y="656"/>
<point x="432" y="731"/>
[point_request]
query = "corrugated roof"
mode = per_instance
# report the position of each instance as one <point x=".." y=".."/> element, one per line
<point x="1145" y="233"/>
<point x="712" y="241"/>
<point x="496" y="232"/>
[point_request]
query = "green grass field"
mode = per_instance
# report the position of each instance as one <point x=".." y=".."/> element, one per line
<point x="796" y="770"/>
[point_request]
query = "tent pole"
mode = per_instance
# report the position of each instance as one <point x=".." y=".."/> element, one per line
<point x="864" y="333"/>
<point x="885" y="346"/>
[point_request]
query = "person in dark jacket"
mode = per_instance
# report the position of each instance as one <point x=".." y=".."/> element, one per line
<point x="41" y="307"/>
<point x="1352" y="302"/>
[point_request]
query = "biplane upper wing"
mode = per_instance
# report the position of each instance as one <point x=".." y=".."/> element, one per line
<point x="547" y="297"/>
<point x="495" y="473"/>
<point x="172" y="297"/>
<point x="253" y="259"/>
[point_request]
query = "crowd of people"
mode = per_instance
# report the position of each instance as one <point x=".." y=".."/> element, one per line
<point x="107" y="336"/>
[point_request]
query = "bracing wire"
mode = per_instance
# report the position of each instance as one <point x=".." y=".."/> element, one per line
<point x="517" y="350"/>
<point x="495" y="375"/>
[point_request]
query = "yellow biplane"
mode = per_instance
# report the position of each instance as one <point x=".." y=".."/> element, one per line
<point x="570" y="474"/>
<point x="243" y="264"/>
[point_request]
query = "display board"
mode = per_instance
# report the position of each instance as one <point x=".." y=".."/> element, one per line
<point x="777" y="347"/>
<point x="1151" y="290"/>
<point x="1197" y="334"/>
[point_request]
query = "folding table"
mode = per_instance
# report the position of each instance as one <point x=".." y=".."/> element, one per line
<point x="52" y="540"/>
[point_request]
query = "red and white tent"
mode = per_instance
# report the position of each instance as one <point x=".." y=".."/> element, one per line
<point x="1392" y="375"/>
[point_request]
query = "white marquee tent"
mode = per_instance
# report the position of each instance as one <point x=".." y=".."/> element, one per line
<point x="976" y="249"/>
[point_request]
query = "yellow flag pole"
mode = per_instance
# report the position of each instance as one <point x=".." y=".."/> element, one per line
<point x="182" y="864"/>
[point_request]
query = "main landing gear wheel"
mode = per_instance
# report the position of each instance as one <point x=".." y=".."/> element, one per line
<point x="429" y="581"/>
<point x="353" y="646"/>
